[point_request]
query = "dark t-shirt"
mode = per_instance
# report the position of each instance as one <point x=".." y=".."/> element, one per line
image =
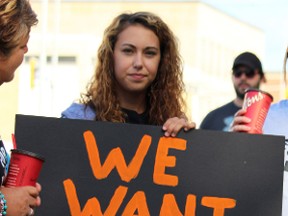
<point x="220" y="118"/>
<point x="131" y="116"/>
<point x="135" y="118"/>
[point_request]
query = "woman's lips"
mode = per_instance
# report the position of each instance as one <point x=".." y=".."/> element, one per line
<point x="137" y="76"/>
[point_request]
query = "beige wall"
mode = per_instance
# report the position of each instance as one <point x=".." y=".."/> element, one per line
<point x="274" y="85"/>
<point x="209" y="42"/>
<point x="8" y="107"/>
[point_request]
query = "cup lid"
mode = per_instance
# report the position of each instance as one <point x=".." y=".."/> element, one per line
<point x="32" y="154"/>
<point x="258" y="90"/>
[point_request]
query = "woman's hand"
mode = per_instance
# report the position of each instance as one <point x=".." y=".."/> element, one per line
<point x="173" y="125"/>
<point x="238" y="124"/>
<point x="21" y="201"/>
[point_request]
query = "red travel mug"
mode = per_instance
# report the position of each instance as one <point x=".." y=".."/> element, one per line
<point x="257" y="103"/>
<point x="24" y="168"/>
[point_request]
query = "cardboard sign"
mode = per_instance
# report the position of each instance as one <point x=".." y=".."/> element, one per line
<point x="101" y="168"/>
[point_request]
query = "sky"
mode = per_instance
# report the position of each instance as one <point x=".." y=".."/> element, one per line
<point x="271" y="16"/>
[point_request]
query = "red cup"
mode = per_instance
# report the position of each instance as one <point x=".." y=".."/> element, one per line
<point x="24" y="168"/>
<point x="257" y="104"/>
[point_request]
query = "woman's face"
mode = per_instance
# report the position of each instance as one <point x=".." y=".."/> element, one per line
<point x="9" y="65"/>
<point x="136" y="59"/>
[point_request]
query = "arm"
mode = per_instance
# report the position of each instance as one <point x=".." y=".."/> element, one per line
<point x="20" y="200"/>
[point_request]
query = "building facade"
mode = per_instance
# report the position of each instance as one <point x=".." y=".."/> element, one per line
<point x="63" y="47"/>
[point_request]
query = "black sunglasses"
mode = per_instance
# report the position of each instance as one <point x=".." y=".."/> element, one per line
<point x="249" y="73"/>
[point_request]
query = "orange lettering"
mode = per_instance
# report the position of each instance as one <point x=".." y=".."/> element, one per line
<point x="115" y="159"/>
<point x="162" y="160"/>
<point x="116" y="201"/>
<point x="218" y="204"/>
<point x="170" y="208"/>
<point x="138" y="205"/>
<point x="92" y="207"/>
<point x="137" y="202"/>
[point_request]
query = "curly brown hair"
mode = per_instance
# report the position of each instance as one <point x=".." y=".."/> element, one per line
<point x="165" y="95"/>
<point x="16" y="19"/>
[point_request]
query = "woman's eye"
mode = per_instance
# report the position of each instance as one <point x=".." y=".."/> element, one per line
<point x="151" y="53"/>
<point x="127" y="51"/>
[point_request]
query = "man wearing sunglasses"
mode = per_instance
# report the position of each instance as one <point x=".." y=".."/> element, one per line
<point x="247" y="72"/>
<point x="276" y="123"/>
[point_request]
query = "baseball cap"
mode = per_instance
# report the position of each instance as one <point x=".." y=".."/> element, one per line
<point x="250" y="60"/>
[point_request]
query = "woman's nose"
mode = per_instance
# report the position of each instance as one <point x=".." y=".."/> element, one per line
<point x="138" y="61"/>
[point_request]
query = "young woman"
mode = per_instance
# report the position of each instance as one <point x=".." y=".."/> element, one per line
<point x="16" y="19"/>
<point x="138" y="78"/>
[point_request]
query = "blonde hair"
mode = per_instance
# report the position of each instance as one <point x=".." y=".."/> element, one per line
<point x="16" y="19"/>
<point x="164" y="98"/>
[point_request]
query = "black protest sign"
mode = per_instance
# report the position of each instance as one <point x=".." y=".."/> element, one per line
<point x="101" y="168"/>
